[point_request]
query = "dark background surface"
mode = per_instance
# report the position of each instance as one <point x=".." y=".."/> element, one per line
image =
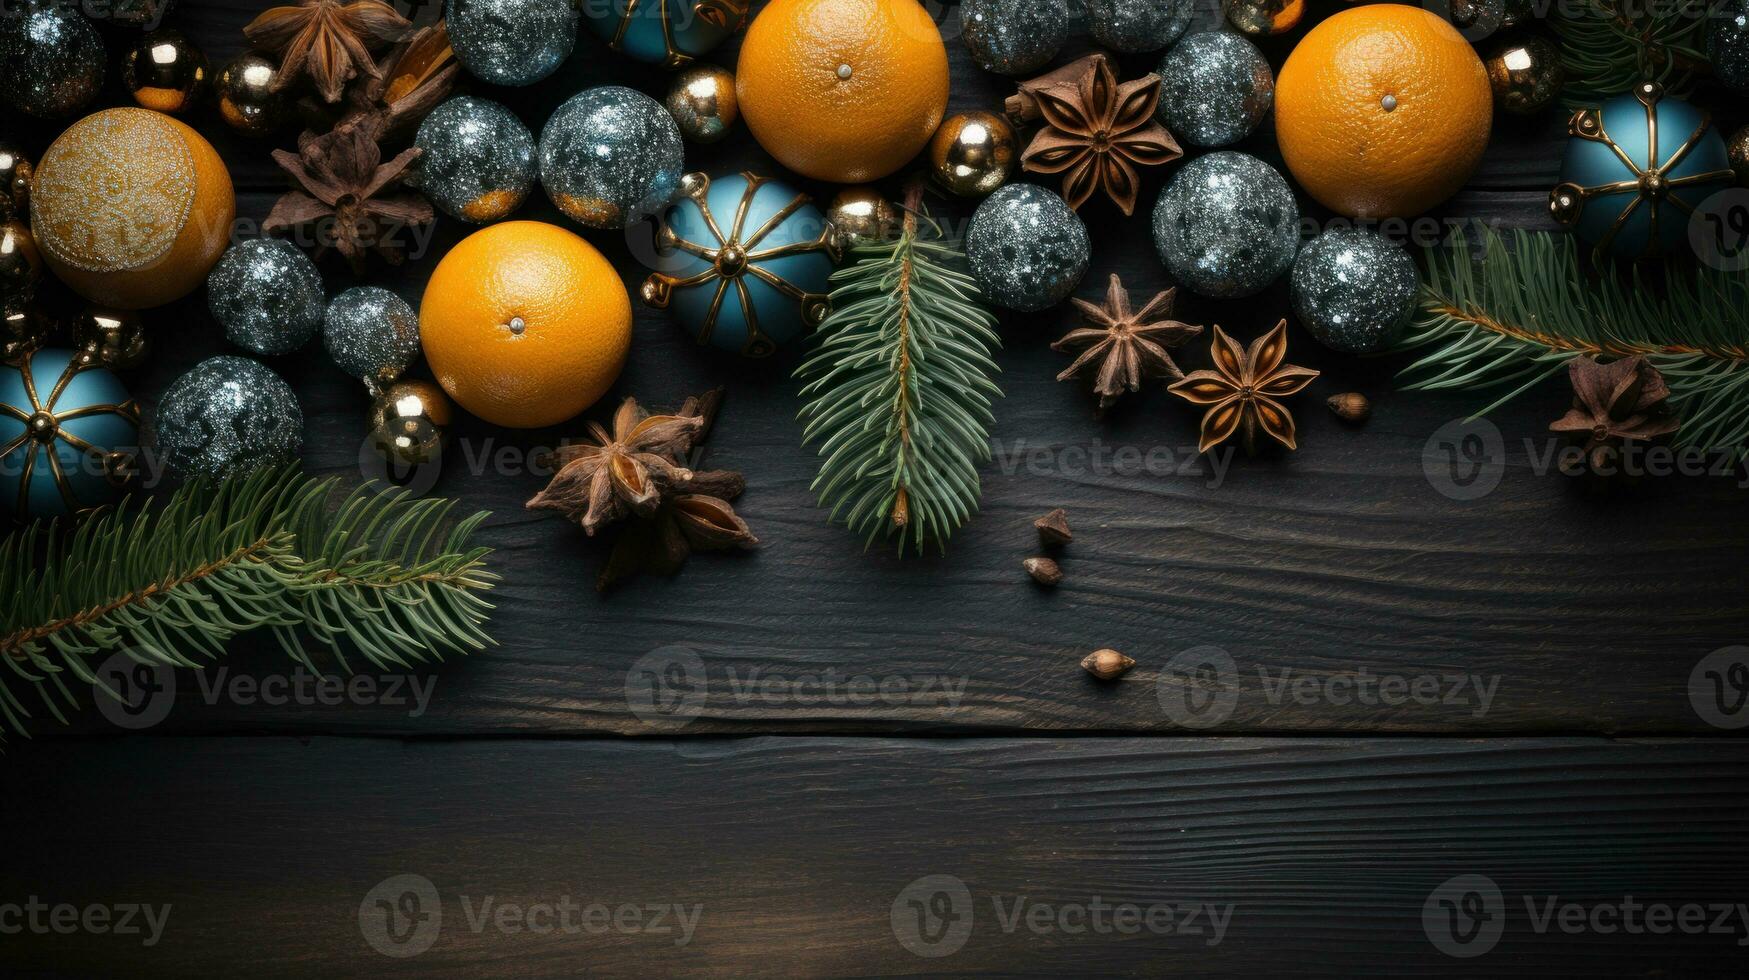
<point x="796" y="810"/>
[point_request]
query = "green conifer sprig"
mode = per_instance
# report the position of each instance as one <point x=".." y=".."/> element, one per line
<point x="172" y="582"/>
<point x="1608" y="46"/>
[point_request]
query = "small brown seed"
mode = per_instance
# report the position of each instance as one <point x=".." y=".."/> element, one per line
<point x="1043" y="570"/>
<point x="1107" y="665"/>
<point x="1053" y="528"/>
<point x="1350" y="406"/>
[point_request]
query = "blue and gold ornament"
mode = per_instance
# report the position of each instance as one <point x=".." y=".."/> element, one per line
<point x="69" y="432"/>
<point x="669" y="32"/>
<point x="752" y="282"/>
<point x="1636" y="171"/>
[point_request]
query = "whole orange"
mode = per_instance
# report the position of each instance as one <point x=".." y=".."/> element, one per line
<point x="525" y="324"/>
<point x="842" y="90"/>
<point x="1382" y="111"/>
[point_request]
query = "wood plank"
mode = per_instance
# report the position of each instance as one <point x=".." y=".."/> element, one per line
<point x="794" y="852"/>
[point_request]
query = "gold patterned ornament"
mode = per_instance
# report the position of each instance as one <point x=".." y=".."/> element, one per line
<point x="702" y="102"/>
<point x="862" y="213"/>
<point x="973" y="153"/>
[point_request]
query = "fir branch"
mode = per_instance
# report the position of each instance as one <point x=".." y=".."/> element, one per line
<point x="898" y="391"/>
<point x="1516" y="313"/>
<point x="1607" y="46"/>
<point x="173" y="582"/>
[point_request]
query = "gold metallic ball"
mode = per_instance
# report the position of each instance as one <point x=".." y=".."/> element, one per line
<point x="22" y="330"/>
<point x="1737" y="148"/>
<point x="247" y="101"/>
<point x="408" y="420"/>
<point x="21" y="266"/>
<point x="862" y="214"/>
<point x="702" y="102"/>
<point x="15" y="174"/>
<point x="1263" y="18"/>
<point x="973" y="153"/>
<point x="1526" y="74"/>
<point x="165" y="71"/>
<point x="116" y="337"/>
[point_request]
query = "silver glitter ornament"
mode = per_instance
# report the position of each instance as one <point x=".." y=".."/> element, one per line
<point x="1137" y="25"/>
<point x="1227" y="225"/>
<point x="1354" y="289"/>
<point x="227" y="414"/>
<point x="1026" y="248"/>
<point x="1727" y="45"/>
<point x="1215" y="88"/>
<point x="512" y="42"/>
<point x="611" y="156"/>
<point x="267" y="294"/>
<point x="477" y="160"/>
<point x="1012" y="37"/>
<point x="51" y="60"/>
<point x="371" y="334"/>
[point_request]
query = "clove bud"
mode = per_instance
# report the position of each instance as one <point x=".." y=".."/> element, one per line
<point x="1043" y="570"/>
<point x="1107" y="665"/>
<point x="1053" y="528"/>
<point x="1350" y="406"/>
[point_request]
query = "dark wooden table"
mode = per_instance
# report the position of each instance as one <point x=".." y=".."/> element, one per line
<point x="1355" y="694"/>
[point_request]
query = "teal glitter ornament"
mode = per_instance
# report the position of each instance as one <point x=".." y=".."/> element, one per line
<point x="69" y="433"/>
<point x="1635" y="172"/>
<point x="667" y="32"/>
<point x="748" y="263"/>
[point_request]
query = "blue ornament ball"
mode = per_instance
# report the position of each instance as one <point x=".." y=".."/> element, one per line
<point x="610" y="156"/>
<point x="666" y="32"/>
<point x="267" y="294"/>
<point x="1027" y="248"/>
<point x="67" y="438"/>
<point x="512" y="42"/>
<point x="1668" y="182"/>
<point x="1227" y="225"/>
<point x="1354" y="289"/>
<point x="227" y="414"/>
<point x="761" y="282"/>
<point x="477" y="160"/>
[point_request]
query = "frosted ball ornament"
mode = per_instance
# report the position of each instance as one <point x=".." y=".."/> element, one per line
<point x="477" y="160"/>
<point x="512" y="42"/>
<point x="611" y="156"/>
<point x="1227" y="225"/>
<point x="267" y="294"/>
<point x="1354" y="289"/>
<point x="226" y="415"/>
<point x="371" y="333"/>
<point x="1026" y="248"/>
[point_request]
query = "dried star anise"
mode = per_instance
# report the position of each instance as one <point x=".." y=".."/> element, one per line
<point x="417" y="75"/>
<point x="1241" y="391"/>
<point x="1097" y="132"/>
<point x="344" y="180"/>
<point x="327" y="40"/>
<point x="1613" y="403"/>
<point x="1128" y="346"/>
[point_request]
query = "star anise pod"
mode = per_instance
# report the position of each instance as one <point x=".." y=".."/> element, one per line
<point x="1612" y="403"/>
<point x="1128" y="345"/>
<point x="1241" y="391"/>
<point x="327" y="40"/>
<point x="1097" y="132"/>
<point x="417" y="75"/>
<point x="344" y="182"/>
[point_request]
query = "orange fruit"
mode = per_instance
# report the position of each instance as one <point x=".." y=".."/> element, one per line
<point x="1382" y="111"/>
<point x="525" y="324"/>
<point x="842" y="90"/>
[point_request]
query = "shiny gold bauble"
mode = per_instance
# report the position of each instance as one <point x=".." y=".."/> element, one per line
<point x="165" y="71"/>
<point x="702" y="102"/>
<point x="15" y="173"/>
<point x="21" y="265"/>
<point x="1263" y="18"/>
<point x="973" y="153"/>
<point x="247" y="101"/>
<point x="1737" y="148"/>
<point x="21" y="331"/>
<point x="408" y="420"/>
<point x="862" y="214"/>
<point x="117" y="337"/>
<point x="1526" y="74"/>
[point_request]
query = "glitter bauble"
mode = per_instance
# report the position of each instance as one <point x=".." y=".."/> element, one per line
<point x="1026" y="248"/>
<point x="141" y="14"/>
<point x="1265" y="18"/>
<point x="610" y="156"/>
<point x="117" y="337"/>
<point x="1132" y="26"/>
<point x="1215" y="88"/>
<point x="1737" y="151"/>
<point x="477" y="160"/>
<point x="371" y="333"/>
<point x="70" y="433"/>
<point x="51" y="60"/>
<point x="21" y="266"/>
<point x="1227" y="225"/>
<point x="665" y="32"/>
<point x="1354" y="289"/>
<point x="227" y="414"/>
<point x="973" y="153"/>
<point x="512" y="42"/>
<point x="1727" y="45"/>
<point x="267" y="294"/>
<point x="131" y="208"/>
<point x="862" y="214"/>
<point x="1012" y="37"/>
<point x="247" y="100"/>
<point x="408" y="421"/>
<point x="16" y="171"/>
<point x="1526" y="74"/>
<point x="702" y="102"/>
<point x="165" y="71"/>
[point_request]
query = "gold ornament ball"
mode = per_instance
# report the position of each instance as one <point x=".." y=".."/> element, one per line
<point x="165" y="72"/>
<point x="1263" y="18"/>
<point x="21" y="265"/>
<point x="862" y="214"/>
<point x="702" y="102"/>
<point x="1737" y="148"/>
<point x="117" y="337"/>
<point x="247" y="101"/>
<point x="1526" y="75"/>
<point x="408" y="421"/>
<point x="15" y="174"/>
<point x="973" y="153"/>
<point x="22" y="330"/>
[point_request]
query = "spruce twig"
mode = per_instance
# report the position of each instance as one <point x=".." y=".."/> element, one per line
<point x="1608" y="47"/>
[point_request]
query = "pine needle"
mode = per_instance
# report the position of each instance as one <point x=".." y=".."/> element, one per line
<point x="1608" y="46"/>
